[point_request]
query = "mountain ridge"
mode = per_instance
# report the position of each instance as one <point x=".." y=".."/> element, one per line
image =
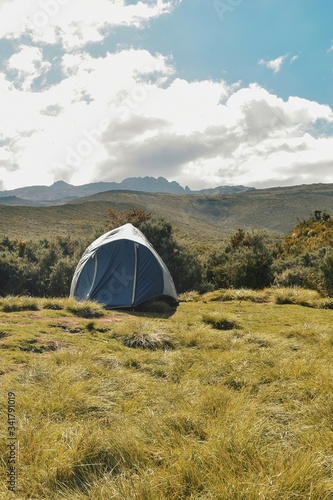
<point x="61" y="192"/>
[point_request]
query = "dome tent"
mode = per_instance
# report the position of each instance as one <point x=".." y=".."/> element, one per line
<point x="122" y="269"/>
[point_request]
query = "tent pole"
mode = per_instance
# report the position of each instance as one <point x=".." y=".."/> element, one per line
<point x="94" y="278"/>
<point x="135" y="271"/>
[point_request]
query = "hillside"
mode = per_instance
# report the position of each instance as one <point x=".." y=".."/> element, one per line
<point x="205" y="217"/>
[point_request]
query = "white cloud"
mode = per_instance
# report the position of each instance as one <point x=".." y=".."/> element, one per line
<point x="140" y="121"/>
<point x="275" y="64"/>
<point x="73" y="22"/>
<point x="128" y="114"/>
<point x="28" y="65"/>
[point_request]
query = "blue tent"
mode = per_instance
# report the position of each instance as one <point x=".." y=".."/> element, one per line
<point x="122" y="269"/>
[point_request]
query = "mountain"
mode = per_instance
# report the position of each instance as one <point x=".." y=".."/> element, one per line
<point x="60" y="192"/>
<point x="15" y="201"/>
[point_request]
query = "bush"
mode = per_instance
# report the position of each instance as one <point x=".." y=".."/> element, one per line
<point x="298" y="276"/>
<point x="43" y="268"/>
<point x="327" y="274"/>
<point x="245" y="261"/>
<point x="60" y="277"/>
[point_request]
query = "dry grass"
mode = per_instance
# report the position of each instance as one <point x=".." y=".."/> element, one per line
<point x="224" y="414"/>
<point x="220" y="321"/>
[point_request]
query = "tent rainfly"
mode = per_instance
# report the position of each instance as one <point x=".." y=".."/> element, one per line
<point x="122" y="269"/>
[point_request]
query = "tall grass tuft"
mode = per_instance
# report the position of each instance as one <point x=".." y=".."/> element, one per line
<point x="152" y="341"/>
<point x="220" y="321"/>
<point x="85" y="309"/>
<point x="16" y="304"/>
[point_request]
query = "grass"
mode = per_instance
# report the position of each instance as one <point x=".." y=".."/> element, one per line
<point x="139" y="406"/>
<point x="220" y="321"/>
<point x="84" y="309"/>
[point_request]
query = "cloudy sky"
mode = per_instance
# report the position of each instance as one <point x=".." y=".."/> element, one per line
<point x="204" y="92"/>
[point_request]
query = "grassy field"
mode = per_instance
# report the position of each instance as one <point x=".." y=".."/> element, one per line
<point x="228" y="397"/>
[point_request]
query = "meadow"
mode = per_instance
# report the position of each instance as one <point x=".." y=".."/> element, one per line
<point x="227" y="397"/>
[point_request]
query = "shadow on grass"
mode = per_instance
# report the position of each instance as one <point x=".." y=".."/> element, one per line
<point x="155" y="309"/>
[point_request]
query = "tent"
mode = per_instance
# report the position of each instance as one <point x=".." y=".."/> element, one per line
<point x="122" y="269"/>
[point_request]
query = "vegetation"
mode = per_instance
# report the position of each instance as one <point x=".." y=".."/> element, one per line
<point x="246" y="259"/>
<point x="137" y="405"/>
<point x="228" y="397"/>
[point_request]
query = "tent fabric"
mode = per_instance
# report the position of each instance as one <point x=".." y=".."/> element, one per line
<point x="121" y="269"/>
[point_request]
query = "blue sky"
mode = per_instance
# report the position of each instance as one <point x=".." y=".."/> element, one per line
<point x="204" y="92"/>
<point x="207" y="40"/>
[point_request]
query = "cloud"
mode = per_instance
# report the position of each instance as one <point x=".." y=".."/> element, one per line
<point x="141" y="120"/>
<point x="248" y="139"/>
<point x="275" y="64"/>
<point x="74" y="23"/>
<point x="127" y="113"/>
<point x="26" y="66"/>
<point x="52" y="110"/>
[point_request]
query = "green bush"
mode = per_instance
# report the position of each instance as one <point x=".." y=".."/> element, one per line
<point x="243" y="261"/>
<point x="299" y="276"/>
<point x="43" y="268"/>
<point x="327" y="274"/>
<point x="250" y="260"/>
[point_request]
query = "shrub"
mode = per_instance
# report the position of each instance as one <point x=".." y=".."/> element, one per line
<point x="299" y="276"/>
<point x="60" y="277"/>
<point x="245" y="261"/>
<point x="327" y="274"/>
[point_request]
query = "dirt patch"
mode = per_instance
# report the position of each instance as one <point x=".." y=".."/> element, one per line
<point x="51" y="345"/>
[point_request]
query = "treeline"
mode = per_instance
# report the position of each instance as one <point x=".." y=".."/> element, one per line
<point x="252" y="260"/>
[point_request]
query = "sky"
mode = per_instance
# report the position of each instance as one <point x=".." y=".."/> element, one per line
<point x="202" y="92"/>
